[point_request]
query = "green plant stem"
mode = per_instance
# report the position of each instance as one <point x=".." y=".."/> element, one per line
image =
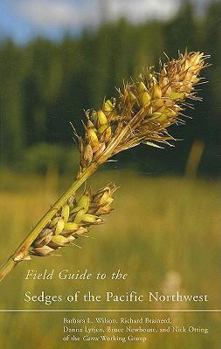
<point x="23" y="250"/>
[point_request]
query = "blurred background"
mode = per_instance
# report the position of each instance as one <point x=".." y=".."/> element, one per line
<point x="59" y="57"/>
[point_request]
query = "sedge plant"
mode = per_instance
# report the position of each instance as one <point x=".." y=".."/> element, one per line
<point x="142" y="113"/>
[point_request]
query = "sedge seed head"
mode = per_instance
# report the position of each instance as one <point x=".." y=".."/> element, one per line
<point x="144" y="109"/>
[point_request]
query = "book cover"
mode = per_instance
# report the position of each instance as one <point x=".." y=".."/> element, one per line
<point x="110" y="174"/>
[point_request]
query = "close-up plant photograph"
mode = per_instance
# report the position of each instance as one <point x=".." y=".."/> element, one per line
<point x="110" y="174"/>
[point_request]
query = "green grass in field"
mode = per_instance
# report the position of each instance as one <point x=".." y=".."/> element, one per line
<point x="162" y="229"/>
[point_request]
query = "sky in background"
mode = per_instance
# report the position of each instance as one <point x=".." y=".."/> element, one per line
<point x="24" y="19"/>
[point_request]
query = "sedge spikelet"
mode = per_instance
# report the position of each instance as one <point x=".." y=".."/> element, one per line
<point x="143" y="110"/>
<point x="73" y="220"/>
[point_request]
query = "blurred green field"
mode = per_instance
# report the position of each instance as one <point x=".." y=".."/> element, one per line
<point x="161" y="229"/>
